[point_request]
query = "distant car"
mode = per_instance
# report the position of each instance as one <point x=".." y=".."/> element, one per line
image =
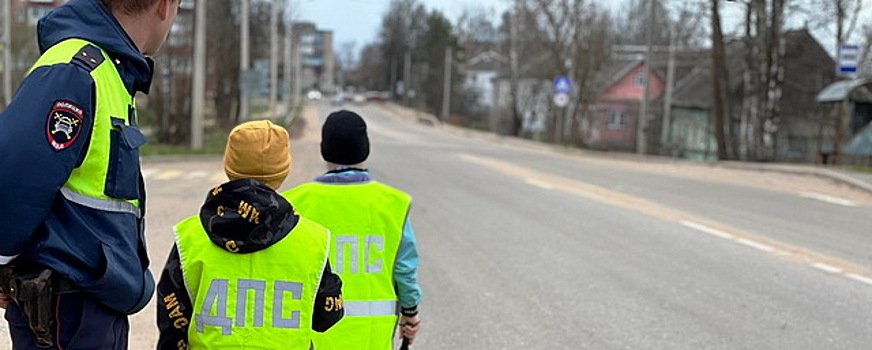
<point x="358" y="98"/>
<point x="314" y="95"/>
<point x="378" y="96"/>
<point x="337" y="100"/>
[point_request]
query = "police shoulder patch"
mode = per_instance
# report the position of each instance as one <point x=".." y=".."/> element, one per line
<point x="64" y="124"/>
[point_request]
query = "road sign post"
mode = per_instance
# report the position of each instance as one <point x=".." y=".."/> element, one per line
<point x="562" y="89"/>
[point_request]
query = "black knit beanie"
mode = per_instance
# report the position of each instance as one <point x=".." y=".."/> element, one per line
<point x="343" y="138"/>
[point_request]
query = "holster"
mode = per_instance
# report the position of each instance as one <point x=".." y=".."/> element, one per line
<point x="32" y="291"/>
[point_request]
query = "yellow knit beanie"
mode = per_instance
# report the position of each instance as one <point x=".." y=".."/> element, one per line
<point x="258" y="150"/>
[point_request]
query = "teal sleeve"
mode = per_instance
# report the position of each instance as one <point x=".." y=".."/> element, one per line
<point x="406" y="269"/>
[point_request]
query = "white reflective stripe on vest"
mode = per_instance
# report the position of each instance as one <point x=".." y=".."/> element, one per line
<point x="100" y="204"/>
<point x="6" y="259"/>
<point x="371" y="308"/>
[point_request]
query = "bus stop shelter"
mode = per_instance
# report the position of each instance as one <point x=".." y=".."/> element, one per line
<point x="851" y="101"/>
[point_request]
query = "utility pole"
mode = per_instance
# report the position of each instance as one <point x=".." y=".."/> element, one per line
<point x="571" y="107"/>
<point x="244" y="64"/>
<point x="407" y="75"/>
<point x="446" y="83"/>
<point x="199" y="78"/>
<point x="7" y="52"/>
<point x="667" y="100"/>
<point x="289" y="101"/>
<point x="298" y="70"/>
<point x="642" y="122"/>
<point x="515" y="75"/>
<point x="274" y="54"/>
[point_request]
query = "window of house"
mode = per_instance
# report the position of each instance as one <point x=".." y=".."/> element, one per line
<point x="617" y="120"/>
<point x="639" y="78"/>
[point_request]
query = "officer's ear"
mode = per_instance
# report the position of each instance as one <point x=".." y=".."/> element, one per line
<point x="167" y="7"/>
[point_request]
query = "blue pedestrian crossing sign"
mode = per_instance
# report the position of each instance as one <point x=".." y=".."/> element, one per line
<point x="562" y="85"/>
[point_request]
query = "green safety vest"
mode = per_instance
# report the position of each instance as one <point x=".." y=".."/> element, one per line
<point x="259" y="300"/>
<point x="108" y="178"/>
<point x="366" y="221"/>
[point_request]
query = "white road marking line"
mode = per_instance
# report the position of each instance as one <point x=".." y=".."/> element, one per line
<point x="859" y="278"/>
<point x="766" y="248"/>
<point x="148" y="172"/>
<point x="707" y="229"/>
<point x="168" y="175"/>
<point x="603" y="195"/>
<point x="827" y="268"/>
<point x="538" y="183"/>
<point x="828" y="199"/>
<point x="756" y="245"/>
<point x="195" y="175"/>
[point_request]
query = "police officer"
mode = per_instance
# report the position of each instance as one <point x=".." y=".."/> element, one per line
<point x="72" y="198"/>
<point x="373" y="248"/>
<point x="248" y="272"/>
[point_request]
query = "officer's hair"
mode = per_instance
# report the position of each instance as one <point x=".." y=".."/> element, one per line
<point x="129" y="7"/>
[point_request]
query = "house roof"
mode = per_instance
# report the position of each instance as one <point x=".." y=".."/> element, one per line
<point x="694" y="90"/>
<point x="803" y="54"/>
<point x="488" y="60"/>
<point x="846" y="90"/>
<point x="610" y="74"/>
<point x="622" y="63"/>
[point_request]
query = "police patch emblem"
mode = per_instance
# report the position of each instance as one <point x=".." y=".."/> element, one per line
<point x="64" y="124"/>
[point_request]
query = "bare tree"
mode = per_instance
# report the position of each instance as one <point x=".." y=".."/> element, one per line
<point x="370" y="70"/>
<point x="686" y="24"/>
<point x="576" y="35"/>
<point x="523" y="44"/>
<point x="632" y="29"/>
<point x="764" y="78"/>
<point x="430" y="56"/>
<point x="171" y="98"/>
<point x="477" y="26"/>
<point x="401" y="29"/>
<point x="346" y="61"/>
<point x="222" y="44"/>
<point x="719" y="81"/>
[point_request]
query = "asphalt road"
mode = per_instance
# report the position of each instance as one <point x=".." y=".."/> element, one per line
<point x="526" y="248"/>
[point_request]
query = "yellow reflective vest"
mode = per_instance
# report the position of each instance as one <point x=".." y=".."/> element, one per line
<point x="259" y="300"/>
<point x="366" y="221"/>
<point x="107" y="184"/>
<point x="102" y="181"/>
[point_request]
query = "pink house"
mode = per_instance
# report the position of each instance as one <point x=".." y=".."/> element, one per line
<point x="617" y="106"/>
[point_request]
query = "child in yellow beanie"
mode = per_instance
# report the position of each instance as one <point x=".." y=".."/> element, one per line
<point x="258" y="150"/>
<point x="248" y="250"/>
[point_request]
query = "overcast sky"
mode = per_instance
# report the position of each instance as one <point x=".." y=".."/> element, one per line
<point x="359" y="21"/>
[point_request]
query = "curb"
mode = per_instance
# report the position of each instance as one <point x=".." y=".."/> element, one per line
<point x="810" y="171"/>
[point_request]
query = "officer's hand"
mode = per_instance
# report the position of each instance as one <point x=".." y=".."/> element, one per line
<point x="4" y="300"/>
<point x="409" y="326"/>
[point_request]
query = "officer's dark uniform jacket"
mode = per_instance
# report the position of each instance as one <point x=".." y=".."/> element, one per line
<point x="102" y="252"/>
<point x="277" y="222"/>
